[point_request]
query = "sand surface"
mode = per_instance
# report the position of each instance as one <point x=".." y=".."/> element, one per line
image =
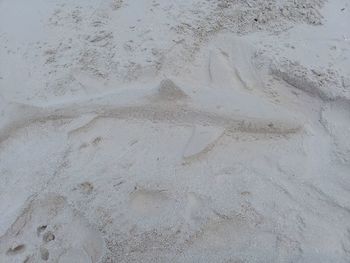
<point x="174" y="131"/>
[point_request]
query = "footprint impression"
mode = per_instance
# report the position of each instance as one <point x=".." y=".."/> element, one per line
<point x="49" y="230"/>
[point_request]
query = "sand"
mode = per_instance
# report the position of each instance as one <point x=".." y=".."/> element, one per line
<point x="174" y="131"/>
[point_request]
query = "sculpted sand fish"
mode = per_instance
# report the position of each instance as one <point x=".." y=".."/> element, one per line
<point x="165" y="103"/>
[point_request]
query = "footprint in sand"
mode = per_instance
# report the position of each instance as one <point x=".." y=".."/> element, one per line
<point x="149" y="202"/>
<point x="49" y="230"/>
<point x="335" y="117"/>
<point x="237" y="240"/>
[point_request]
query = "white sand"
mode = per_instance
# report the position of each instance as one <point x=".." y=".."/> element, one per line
<point x="174" y="131"/>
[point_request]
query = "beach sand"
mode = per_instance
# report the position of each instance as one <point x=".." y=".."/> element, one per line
<point x="174" y="131"/>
